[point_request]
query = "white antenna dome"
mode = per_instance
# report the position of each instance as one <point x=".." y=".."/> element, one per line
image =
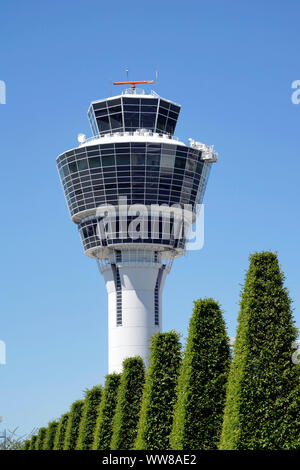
<point x="81" y="138"/>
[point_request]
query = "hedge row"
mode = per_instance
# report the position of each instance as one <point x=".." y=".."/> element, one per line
<point x="202" y="382"/>
<point x="128" y="404"/>
<point x="89" y="418"/>
<point x="103" y="429"/>
<point x="32" y="442"/>
<point x="72" y="430"/>
<point x="203" y="401"/>
<point x="50" y="435"/>
<point x="61" y="432"/>
<point x="262" y="407"/>
<point x="40" y="440"/>
<point x="26" y="445"/>
<point x="159" y="394"/>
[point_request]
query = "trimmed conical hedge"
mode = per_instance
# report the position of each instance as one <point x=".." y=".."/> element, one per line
<point x="39" y="444"/>
<point x="50" y="435"/>
<point x="32" y="442"/>
<point x="128" y="404"/>
<point x="159" y="396"/>
<point x="89" y="418"/>
<point x="60" y="434"/>
<point x="103" y="430"/>
<point x="73" y="425"/>
<point x="200" y="404"/>
<point x="262" y="405"/>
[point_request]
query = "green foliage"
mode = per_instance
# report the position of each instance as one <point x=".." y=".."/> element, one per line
<point x="39" y="445"/>
<point x="262" y="404"/>
<point x="159" y="395"/>
<point x="89" y="418"/>
<point x="32" y="442"/>
<point x="73" y="425"/>
<point x="128" y="404"/>
<point x="103" y="430"/>
<point x="50" y="435"/>
<point x="202" y="381"/>
<point x="61" y="432"/>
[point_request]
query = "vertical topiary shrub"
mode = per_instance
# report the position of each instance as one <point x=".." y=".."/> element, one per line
<point x="26" y="445"/>
<point x="201" y="388"/>
<point x="50" y="435"/>
<point x="32" y="442"/>
<point x="159" y="395"/>
<point x="39" y="444"/>
<point x="103" y="430"/>
<point x="89" y="418"/>
<point x="128" y="404"/>
<point x="262" y="404"/>
<point x="73" y="425"/>
<point x="61" y="432"/>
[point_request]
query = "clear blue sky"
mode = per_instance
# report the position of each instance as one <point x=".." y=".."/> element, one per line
<point x="230" y="65"/>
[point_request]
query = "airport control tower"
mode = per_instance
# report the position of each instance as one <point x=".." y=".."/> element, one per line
<point x="133" y="190"/>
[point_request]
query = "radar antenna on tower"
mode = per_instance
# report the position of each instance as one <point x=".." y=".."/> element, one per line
<point x="133" y="83"/>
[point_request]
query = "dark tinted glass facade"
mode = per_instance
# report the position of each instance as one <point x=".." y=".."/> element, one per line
<point x="131" y="113"/>
<point x="144" y="173"/>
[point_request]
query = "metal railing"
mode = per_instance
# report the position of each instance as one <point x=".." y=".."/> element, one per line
<point x="139" y="91"/>
<point x="208" y="153"/>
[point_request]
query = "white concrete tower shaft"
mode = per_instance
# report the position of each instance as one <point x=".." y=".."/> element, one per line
<point x="134" y="281"/>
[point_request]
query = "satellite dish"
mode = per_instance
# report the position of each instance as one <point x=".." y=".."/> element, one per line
<point x="81" y="138"/>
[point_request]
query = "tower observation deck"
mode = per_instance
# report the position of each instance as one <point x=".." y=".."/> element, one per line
<point x="133" y="190"/>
